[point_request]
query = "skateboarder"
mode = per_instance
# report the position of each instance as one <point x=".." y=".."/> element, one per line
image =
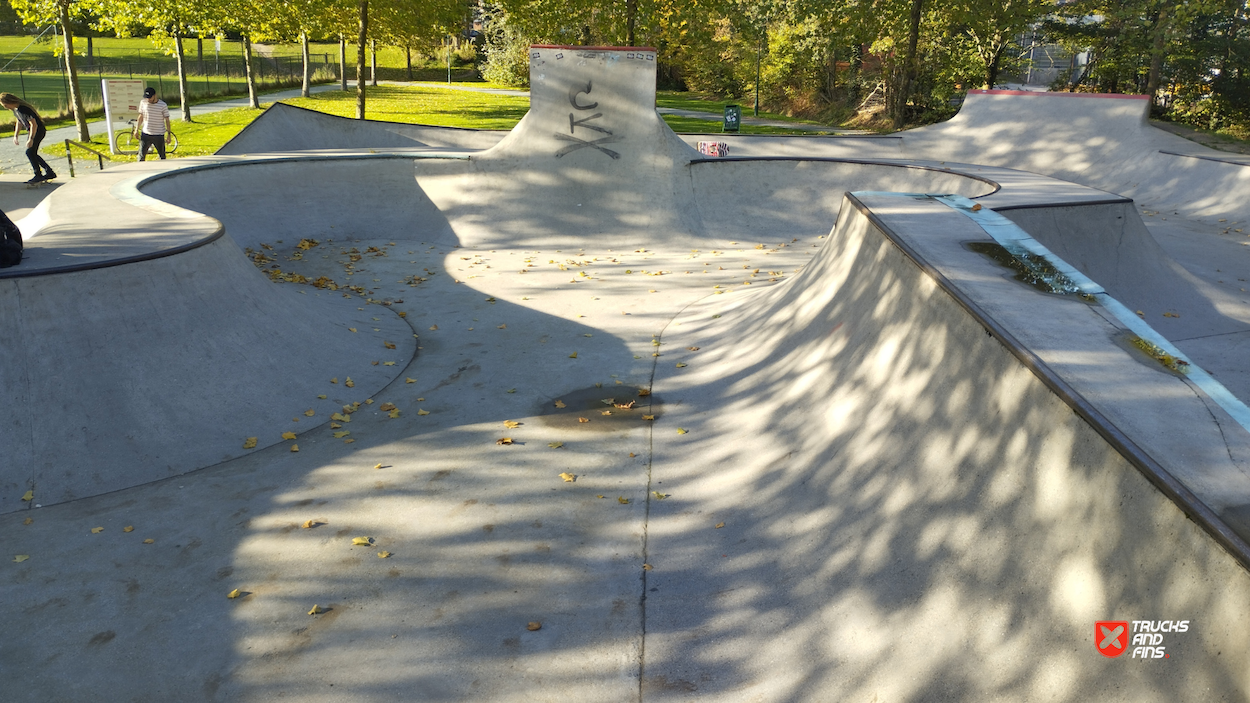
<point x="26" y="117"/>
<point x="153" y="126"/>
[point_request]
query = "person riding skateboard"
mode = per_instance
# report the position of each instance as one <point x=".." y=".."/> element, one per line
<point x="26" y="117"/>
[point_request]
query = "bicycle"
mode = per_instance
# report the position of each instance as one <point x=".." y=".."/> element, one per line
<point x="128" y="141"/>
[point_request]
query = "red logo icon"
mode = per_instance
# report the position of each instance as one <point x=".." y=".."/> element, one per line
<point x="1111" y="637"/>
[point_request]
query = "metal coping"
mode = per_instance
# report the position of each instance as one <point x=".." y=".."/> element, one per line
<point x="862" y="162"/>
<point x="1186" y="500"/>
<point x="1226" y="160"/>
<point x="127" y="191"/>
<point x="1051" y="94"/>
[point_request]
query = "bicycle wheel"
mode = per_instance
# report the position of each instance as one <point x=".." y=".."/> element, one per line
<point x="172" y="145"/>
<point x="126" y="141"/>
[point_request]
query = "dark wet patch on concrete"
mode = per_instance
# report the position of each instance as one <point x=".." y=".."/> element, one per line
<point x="601" y="408"/>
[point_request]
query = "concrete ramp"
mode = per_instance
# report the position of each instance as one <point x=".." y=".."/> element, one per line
<point x="287" y="128"/>
<point x="914" y="505"/>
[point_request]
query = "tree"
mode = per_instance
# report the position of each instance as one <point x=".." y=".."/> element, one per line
<point x="62" y="13"/>
<point x="991" y="27"/>
<point x="169" y="20"/>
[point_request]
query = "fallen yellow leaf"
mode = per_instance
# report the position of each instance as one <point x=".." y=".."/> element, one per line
<point x="681" y="430"/>
<point x="128" y="528"/>
<point x="334" y="380"/>
<point x="433" y="327"/>
<point x="362" y="541"/>
<point x="573" y="355"/>
<point x="511" y="424"/>
<point x="423" y="412"/>
<point x="21" y="558"/>
<point x="341" y="435"/>
<point x="720" y="525"/>
<point x="606" y="412"/>
<point x="294" y="448"/>
<point x="394" y="414"/>
<point x="339" y="416"/>
<point x="658" y="495"/>
<point x="349" y="382"/>
<point x="377" y="466"/>
<point x="309" y="524"/>
<point x="28" y="495"/>
<point x="502" y="327"/>
<point x="383" y="555"/>
<point x="349" y="440"/>
<point x="646" y="567"/>
<point x="288" y="435"/>
<point x="316" y="610"/>
<point x="504" y="440"/>
<point x="149" y="541"/>
<point x="335" y="426"/>
<point x="681" y="365"/>
<point x="322" y="397"/>
<point x="643" y="392"/>
<point x="234" y="594"/>
<point x="28" y="521"/>
<point x="568" y="477"/>
<point x="555" y="445"/>
<point x="632" y="455"/>
<point x="648" y="417"/>
<point x="96" y="530"/>
<point x="386" y="407"/>
<point x="388" y="345"/>
<point x="388" y="363"/>
<point x="410" y="380"/>
<point x="534" y="626"/>
<point x="622" y="500"/>
<point x="249" y="443"/>
<point x="600" y="496"/>
<point x="309" y="412"/>
<point x="560" y="404"/>
<point x="692" y="349"/>
<point x="583" y="419"/>
<point x="351" y="329"/>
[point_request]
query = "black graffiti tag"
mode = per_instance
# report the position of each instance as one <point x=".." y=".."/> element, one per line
<point x="584" y="123"/>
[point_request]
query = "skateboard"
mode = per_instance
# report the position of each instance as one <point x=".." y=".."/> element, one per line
<point x="38" y="184"/>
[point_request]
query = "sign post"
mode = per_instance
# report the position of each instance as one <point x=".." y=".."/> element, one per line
<point x="733" y="118"/>
<point x="121" y="103"/>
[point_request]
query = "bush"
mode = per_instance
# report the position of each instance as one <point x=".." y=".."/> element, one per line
<point x="506" y="51"/>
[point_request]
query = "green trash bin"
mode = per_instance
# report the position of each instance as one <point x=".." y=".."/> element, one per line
<point x="733" y="118"/>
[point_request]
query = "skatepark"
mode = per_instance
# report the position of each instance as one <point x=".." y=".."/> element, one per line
<point x="354" y="411"/>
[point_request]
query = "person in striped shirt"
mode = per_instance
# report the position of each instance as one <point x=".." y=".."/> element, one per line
<point x="154" y="128"/>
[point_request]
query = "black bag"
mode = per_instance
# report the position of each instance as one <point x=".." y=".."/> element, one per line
<point x="10" y="242"/>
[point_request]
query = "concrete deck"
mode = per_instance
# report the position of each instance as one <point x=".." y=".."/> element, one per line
<point x="862" y="461"/>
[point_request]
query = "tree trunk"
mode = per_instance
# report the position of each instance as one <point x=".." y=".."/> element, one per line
<point x="90" y="52"/>
<point x="362" y="39"/>
<point x="408" y="58"/>
<point x="631" y="17"/>
<point x="373" y="62"/>
<point x="909" y="65"/>
<point x="252" y="99"/>
<point x="184" y="98"/>
<point x="306" y="85"/>
<point x="342" y="63"/>
<point x="1156" y="53"/>
<point x="991" y="69"/>
<point x="199" y="54"/>
<point x="71" y="66"/>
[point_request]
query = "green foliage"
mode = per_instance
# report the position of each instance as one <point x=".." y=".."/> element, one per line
<point x="506" y="52"/>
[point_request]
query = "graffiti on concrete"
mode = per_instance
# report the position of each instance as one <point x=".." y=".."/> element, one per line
<point x="585" y="124"/>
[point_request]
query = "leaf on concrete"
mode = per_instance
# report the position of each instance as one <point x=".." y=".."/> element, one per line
<point x="511" y="424"/>
<point x="351" y="329"/>
<point x="309" y="524"/>
<point x="233" y="594"/>
<point x="583" y="419"/>
<point x="316" y="610"/>
<point x="560" y="404"/>
<point x="504" y="440"/>
<point x="309" y="412"/>
<point x="362" y="541"/>
<point x="96" y="530"/>
<point x="388" y="363"/>
<point x="555" y="445"/>
<point x="21" y="558"/>
<point x="606" y="412"/>
<point x="534" y="626"/>
<point x="28" y="521"/>
<point x="646" y="567"/>
<point x="643" y="392"/>
<point x="350" y="383"/>
<point x="294" y="448"/>
<point x="334" y="380"/>
<point x="128" y="528"/>
<point x="149" y="541"/>
<point x="502" y="327"/>
<point x="658" y="495"/>
<point x="720" y="525"/>
<point x="410" y="380"/>
<point x="423" y="412"/>
<point x="433" y="327"/>
<point x="622" y="500"/>
<point x="394" y="414"/>
<point x="388" y="345"/>
<point x="648" y="417"/>
<point x="383" y="555"/>
<point x="568" y="477"/>
<point x="692" y="349"/>
<point x="681" y="430"/>
<point x="681" y="365"/>
<point x="625" y="406"/>
<point x="249" y="443"/>
<point x="288" y="435"/>
<point x="28" y="495"/>
<point x="573" y="355"/>
<point x="386" y="407"/>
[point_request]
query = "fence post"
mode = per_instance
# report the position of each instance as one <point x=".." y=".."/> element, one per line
<point x="22" y="78"/>
<point x="70" y="158"/>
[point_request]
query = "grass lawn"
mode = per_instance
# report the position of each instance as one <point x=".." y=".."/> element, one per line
<point x="709" y="103"/>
